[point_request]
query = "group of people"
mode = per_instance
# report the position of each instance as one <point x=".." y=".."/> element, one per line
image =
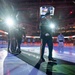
<point x="15" y="36"/>
<point x="46" y="38"/>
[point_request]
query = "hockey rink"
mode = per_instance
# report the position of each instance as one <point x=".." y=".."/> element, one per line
<point x="26" y="62"/>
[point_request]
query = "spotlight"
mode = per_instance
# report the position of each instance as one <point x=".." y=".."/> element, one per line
<point x="9" y="21"/>
<point x="52" y="25"/>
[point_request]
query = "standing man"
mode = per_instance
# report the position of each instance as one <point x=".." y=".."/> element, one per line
<point x="20" y="33"/>
<point x="20" y="37"/>
<point x="12" y="40"/>
<point x="11" y="29"/>
<point x="46" y="37"/>
<point x="60" y="40"/>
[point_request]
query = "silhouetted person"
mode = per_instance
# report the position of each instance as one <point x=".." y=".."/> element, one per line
<point x="12" y="40"/>
<point x="46" y="37"/>
<point x="20" y="37"/>
<point x="60" y="40"/>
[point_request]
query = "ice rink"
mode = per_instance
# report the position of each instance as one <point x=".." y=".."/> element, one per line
<point x="26" y="63"/>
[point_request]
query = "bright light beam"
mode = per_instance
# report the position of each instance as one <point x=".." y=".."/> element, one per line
<point x="52" y="26"/>
<point x="9" y="21"/>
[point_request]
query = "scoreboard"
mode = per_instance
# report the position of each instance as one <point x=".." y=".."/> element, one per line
<point x="45" y="9"/>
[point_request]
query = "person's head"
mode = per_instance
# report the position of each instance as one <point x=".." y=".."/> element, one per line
<point x="47" y="15"/>
<point x="60" y="33"/>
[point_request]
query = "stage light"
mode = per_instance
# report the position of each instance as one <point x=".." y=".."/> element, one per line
<point x="9" y="21"/>
<point x="71" y="12"/>
<point x="52" y="25"/>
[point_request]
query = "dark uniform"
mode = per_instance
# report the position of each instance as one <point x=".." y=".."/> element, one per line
<point x="11" y="40"/>
<point x="20" y="35"/>
<point x="46" y="38"/>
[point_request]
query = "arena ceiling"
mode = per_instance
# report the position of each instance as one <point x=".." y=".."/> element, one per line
<point x="64" y="9"/>
<point x="29" y="10"/>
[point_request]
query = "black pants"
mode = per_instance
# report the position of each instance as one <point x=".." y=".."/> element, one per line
<point x="12" y="43"/>
<point x="19" y="41"/>
<point x="49" y="42"/>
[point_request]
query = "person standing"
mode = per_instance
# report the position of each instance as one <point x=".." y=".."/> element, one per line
<point x="20" y="37"/>
<point x="12" y="40"/>
<point x="60" y="40"/>
<point x="46" y="37"/>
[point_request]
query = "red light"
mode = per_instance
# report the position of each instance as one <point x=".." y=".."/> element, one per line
<point x="71" y="12"/>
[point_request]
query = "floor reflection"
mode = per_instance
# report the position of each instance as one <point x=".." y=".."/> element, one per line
<point x="3" y="54"/>
<point x="11" y="65"/>
<point x="15" y="66"/>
